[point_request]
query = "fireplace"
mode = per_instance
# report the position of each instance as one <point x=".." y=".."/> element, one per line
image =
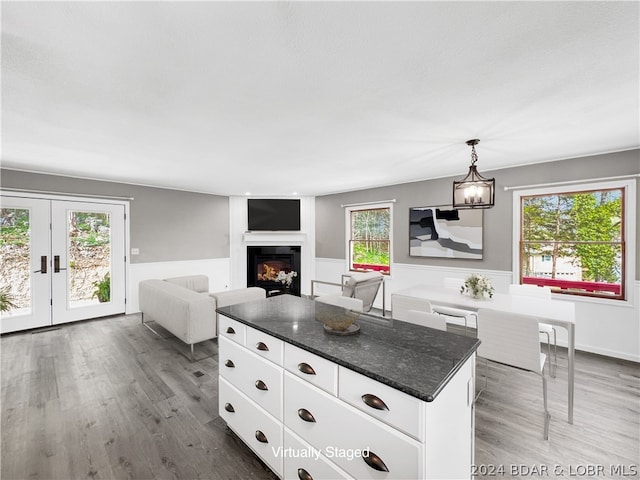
<point x="264" y="263"/>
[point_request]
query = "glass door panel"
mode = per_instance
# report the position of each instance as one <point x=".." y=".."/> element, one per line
<point x="25" y="282"/>
<point x="88" y="260"/>
<point x="89" y="240"/>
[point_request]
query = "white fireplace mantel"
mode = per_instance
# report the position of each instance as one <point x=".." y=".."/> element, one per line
<point x="280" y="238"/>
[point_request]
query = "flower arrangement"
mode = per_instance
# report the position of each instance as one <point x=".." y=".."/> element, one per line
<point x="286" y="278"/>
<point x="477" y="286"/>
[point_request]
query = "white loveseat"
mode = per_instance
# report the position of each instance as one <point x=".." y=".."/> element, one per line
<point x="184" y="306"/>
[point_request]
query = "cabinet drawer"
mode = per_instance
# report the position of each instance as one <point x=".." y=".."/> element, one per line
<point x="307" y="462"/>
<point x="231" y="329"/>
<point x="312" y="368"/>
<point x="254" y="376"/>
<point x="264" y="345"/>
<point x="385" y="403"/>
<point x="349" y="437"/>
<point x="247" y="420"/>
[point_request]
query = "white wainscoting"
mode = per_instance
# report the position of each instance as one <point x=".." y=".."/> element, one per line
<point x="217" y="269"/>
<point x="605" y="327"/>
<point x="610" y="328"/>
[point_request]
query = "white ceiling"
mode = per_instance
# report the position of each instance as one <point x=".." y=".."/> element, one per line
<point x="312" y="97"/>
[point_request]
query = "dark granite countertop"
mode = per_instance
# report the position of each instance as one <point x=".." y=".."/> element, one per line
<point x="414" y="359"/>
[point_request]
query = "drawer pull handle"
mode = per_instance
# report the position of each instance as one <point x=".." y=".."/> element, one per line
<point x="306" y="415"/>
<point x="229" y="408"/>
<point x="260" y="385"/>
<point x="262" y="347"/>
<point x="374" y="402"/>
<point x="261" y="437"/>
<point x="229" y="364"/>
<point x="304" y="475"/>
<point x="306" y="368"/>
<point x="375" y="462"/>
<point x="230" y="330"/>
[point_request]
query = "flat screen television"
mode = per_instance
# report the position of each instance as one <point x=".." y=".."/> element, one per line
<point x="271" y="214"/>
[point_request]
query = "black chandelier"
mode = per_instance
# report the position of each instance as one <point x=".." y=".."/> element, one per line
<point x="474" y="191"/>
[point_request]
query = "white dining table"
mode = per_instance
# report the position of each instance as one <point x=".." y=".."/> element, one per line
<point x="560" y="313"/>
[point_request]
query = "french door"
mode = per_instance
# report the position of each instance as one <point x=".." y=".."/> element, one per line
<point x="61" y="261"/>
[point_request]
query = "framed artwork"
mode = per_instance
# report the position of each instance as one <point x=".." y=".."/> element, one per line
<point x="442" y="231"/>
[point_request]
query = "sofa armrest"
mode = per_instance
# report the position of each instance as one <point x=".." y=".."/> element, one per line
<point x="197" y="283"/>
<point x="189" y="315"/>
<point x="239" y="295"/>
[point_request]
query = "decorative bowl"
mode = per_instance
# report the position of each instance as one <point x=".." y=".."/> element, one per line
<point x="337" y="320"/>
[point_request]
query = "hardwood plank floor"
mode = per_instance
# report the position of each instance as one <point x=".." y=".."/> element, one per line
<point x="109" y="399"/>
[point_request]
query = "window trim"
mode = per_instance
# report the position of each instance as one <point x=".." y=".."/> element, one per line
<point x="629" y="187"/>
<point x="347" y="220"/>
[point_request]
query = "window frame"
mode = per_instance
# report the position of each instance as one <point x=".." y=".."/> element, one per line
<point x="362" y="207"/>
<point x="628" y="234"/>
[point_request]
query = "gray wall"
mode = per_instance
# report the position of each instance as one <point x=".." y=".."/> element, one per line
<point x="166" y="225"/>
<point x="498" y="221"/>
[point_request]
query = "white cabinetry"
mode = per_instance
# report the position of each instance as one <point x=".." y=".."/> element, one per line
<point x="360" y="445"/>
<point x="258" y="429"/>
<point x="308" y="418"/>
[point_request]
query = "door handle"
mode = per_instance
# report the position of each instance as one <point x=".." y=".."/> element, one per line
<point x="56" y="264"/>
<point x="43" y="265"/>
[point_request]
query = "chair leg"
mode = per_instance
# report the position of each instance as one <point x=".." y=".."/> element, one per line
<point x="547" y="415"/>
<point x="555" y="353"/>
<point x="549" y="350"/>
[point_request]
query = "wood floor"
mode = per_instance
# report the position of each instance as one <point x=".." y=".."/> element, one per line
<point x="108" y="399"/>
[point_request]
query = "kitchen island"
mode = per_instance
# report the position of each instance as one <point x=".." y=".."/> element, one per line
<point x="393" y="401"/>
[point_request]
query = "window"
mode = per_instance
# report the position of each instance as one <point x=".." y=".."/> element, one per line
<point x="369" y="238"/>
<point x="574" y="239"/>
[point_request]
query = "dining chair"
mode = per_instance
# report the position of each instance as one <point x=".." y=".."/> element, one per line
<point x="401" y="305"/>
<point x="527" y="290"/>
<point x="426" y="319"/>
<point x="469" y="316"/>
<point x="513" y="339"/>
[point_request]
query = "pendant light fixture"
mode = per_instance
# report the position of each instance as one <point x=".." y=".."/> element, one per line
<point x="473" y="191"/>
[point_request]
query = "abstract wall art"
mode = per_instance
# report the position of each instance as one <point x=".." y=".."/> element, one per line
<point x="442" y="231"/>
